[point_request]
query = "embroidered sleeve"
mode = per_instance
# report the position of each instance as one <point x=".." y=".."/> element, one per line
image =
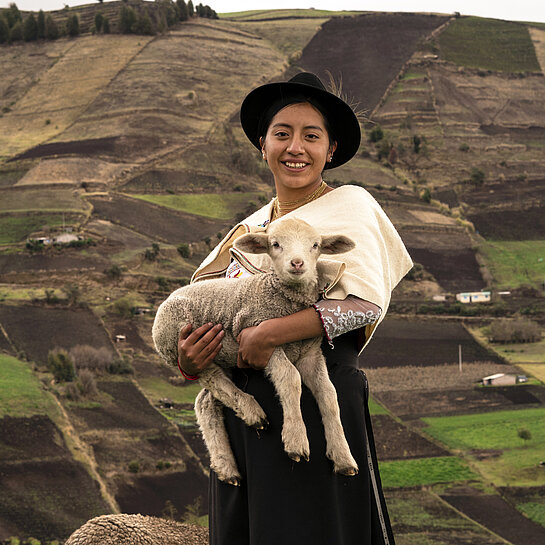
<point x="236" y="270"/>
<point x="340" y="317"/>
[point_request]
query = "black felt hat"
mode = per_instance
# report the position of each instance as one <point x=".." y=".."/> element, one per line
<point x="342" y="121"/>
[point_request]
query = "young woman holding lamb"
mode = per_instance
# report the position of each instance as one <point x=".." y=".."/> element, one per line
<point x="301" y="129"/>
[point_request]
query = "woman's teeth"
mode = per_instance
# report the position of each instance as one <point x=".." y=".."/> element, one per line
<point x="295" y="165"/>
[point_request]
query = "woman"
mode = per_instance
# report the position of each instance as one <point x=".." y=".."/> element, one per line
<point x="302" y="129"/>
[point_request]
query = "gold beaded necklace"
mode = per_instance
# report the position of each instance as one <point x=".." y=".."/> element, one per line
<point x="281" y="208"/>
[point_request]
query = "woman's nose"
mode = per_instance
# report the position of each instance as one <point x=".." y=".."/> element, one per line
<point x="295" y="145"/>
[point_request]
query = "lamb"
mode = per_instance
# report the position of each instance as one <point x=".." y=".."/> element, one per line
<point x="291" y="285"/>
<point x="137" y="530"/>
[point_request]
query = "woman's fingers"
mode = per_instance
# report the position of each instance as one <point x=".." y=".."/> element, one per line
<point x="198" y="348"/>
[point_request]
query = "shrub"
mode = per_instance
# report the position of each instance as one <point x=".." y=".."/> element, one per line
<point x="183" y="250"/>
<point x="127" y="18"/>
<point x="525" y="434"/>
<point x="513" y="331"/>
<point x="124" y="307"/>
<point x="134" y="466"/>
<point x="51" y="29"/>
<point x="416" y="273"/>
<point x="463" y="147"/>
<point x="60" y="364"/>
<point x="4" y="29"/>
<point x="16" y="33"/>
<point x="86" y="357"/>
<point x="151" y="253"/>
<point x="476" y="176"/>
<point x="41" y="24"/>
<point x="72" y="293"/>
<point x="162" y="283"/>
<point x="30" y="28"/>
<point x="120" y="366"/>
<point x="72" y="391"/>
<point x="33" y="245"/>
<point x="114" y="272"/>
<point x="99" y="20"/>
<point x="376" y="134"/>
<point x="72" y="25"/>
<point x="425" y="195"/>
<point x="417" y="142"/>
<point x="86" y="383"/>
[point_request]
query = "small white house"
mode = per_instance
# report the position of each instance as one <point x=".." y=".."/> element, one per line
<point x="120" y="338"/>
<point x="473" y="297"/>
<point x="501" y="379"/>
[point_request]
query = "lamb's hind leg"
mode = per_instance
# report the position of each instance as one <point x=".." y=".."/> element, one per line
<point x="314" y="375"/>
<point x="287" y="383"/>
<point x="214" y="379"/>
<point x="210" y="418"/>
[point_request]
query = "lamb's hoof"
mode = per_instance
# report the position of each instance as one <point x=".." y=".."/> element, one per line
<point x="348" y="471"/>
<point x="263" y="424"/>
<point x="296" y="457"/>
<point x="234" y="481"/>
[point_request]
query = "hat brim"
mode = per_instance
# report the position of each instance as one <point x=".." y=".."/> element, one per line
<point x="342" y="121"/>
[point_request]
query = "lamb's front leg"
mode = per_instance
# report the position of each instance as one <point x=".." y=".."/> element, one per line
<point x="214" y="379"/>
<point x="313" y="370"/>
<point x="210" y="418"/>
<point x="287" y="383"/>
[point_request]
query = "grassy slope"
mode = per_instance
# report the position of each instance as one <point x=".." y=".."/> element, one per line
<point x="514" y="263"/>
<point x="489" y="44"/>
<point x="280" y="13"/>
<point x="21" y="393"/>
<point x="212" y="205"/>
<point x="518" y="460"/>
<point x="16" y="228"/>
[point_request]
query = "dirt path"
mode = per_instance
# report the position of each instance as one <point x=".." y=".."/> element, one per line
<point x="538" y="37"/>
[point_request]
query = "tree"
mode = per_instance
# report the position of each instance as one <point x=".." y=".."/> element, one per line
<point x="127" y="18"/>
<point x="72" y="25"/>
<point x="143" y="25"/>
<point x="182" y="9"/>
<point x="99" y="21"/>
<point x="190" y="8"/>
<point x="4" y="30"/>
<point x="106" y="25"/>
<point x="72" y="293"/>
<point x="41" y="25"/>
<point x="30" y="29"/>
<point x="60" y="364"/>
<point x="376" y="134"/>
<point x="13" y="15"/>
<point x="16" y="33"/>
<point x="51" y="29"/>
<point x="417" y="141"/>
<point x="184" y="250"/>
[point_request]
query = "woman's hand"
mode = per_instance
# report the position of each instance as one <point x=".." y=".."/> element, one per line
<point x="197" y="349"/>
<point x="255" y="347"/>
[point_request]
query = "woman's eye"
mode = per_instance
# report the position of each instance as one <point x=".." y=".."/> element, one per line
<point x="281" y="134"/>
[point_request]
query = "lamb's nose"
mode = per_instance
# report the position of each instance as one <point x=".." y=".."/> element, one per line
<point x="297" y="263"/>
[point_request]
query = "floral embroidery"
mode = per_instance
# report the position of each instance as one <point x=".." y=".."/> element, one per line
<point x="337" y="321"/>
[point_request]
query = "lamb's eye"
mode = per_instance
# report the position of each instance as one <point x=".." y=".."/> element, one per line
<point x="275" y="245"/>
<point x="315" y="245"/>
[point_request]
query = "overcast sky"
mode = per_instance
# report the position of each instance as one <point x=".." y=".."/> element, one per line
<point x="513" y="10"/>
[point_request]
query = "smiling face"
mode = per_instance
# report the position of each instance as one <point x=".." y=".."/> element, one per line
<point x="296" y="147"/>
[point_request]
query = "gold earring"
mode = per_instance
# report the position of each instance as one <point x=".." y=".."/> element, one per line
<point x="264" y="157"/>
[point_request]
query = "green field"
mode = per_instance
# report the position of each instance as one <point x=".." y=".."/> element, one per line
<point x="489" y="44"/>
<point x="212" y="205"/>
<point x="21" y="393"/>
<point x="515" y="461"/>
<point x="376" y="408"/>
<point x="466" y="431"/>
<point x="514" y="263"/>
<point x="16" y="228"/>
<point x="424" y="471"/>
<point x="156" y="388"/>
<point x="534" y="511"/>
<point x="44" y="200"/>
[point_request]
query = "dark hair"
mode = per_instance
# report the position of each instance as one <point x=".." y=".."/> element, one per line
<point x="277" y="105"/>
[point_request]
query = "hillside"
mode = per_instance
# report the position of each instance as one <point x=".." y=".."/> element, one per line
<point x="132" y="143"/>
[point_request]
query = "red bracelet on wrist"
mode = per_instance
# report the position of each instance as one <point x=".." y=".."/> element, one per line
<point x="185" y="375"/>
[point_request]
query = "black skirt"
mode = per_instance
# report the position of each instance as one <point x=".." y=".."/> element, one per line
<point x="305" y="503"/>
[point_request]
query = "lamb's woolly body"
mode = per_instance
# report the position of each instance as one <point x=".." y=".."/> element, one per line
<point x="237" y="304"/>
<point x="137" y="530"/>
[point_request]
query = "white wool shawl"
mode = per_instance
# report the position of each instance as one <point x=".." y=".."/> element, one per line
<point x="370" y="271"/>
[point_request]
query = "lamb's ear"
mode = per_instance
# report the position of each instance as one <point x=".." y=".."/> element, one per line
<point x="337" y="244"/>
<point x="253" y="243"/>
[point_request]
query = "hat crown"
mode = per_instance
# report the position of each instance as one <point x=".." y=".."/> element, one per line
<point x="307" y="78"/>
